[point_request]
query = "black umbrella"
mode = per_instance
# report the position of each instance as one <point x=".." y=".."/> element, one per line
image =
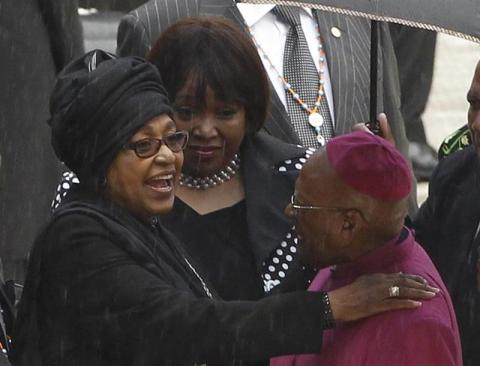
<point x="460" y="18"/>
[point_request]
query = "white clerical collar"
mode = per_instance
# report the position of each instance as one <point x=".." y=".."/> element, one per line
<point x="252" y="13"/>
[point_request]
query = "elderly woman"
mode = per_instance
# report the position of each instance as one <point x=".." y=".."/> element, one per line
<point x="108" y="285"/>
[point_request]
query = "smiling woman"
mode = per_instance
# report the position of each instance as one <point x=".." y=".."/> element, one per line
<point x="143" y="182"/>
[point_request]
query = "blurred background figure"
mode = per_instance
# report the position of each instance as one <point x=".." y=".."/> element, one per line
<point x="415" y="51"/>
<point x="116" y="5"/>
<point x="37" y="39"/>
<point x="5" y="307"/>
<point x="100" y="20"/>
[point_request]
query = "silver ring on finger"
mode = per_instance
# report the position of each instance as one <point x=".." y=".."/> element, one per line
<point x="394" y="291"/>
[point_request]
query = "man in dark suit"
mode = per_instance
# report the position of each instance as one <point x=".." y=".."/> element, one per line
<point x="37" y="38"/>
<point x="447" y="225"/>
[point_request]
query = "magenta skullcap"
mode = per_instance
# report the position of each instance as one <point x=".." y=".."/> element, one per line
<point x="370" y="165"/>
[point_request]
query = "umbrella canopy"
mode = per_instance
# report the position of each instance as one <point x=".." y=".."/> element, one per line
<point x="460" y="18"/>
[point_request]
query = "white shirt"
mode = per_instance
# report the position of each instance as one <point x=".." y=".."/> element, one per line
<point x="271" y="35"/>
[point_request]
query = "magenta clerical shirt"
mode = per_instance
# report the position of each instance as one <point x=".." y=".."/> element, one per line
<point x="425" y="336"/>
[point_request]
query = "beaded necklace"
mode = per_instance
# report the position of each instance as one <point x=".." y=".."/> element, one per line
<point x="315" y="119"/>
<point x="213" y="180"/>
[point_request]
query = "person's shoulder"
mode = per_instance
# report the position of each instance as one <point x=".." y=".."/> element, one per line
<point x="274" y="149"/>
<point x="55" y="239"/>
<point x="140" y="28"/>
<point x="72" y="223"/>
<point x="435" y="313"/>
<point x="137" y="17"/>
<point x="455" y="168"/>
<point x="424" y="340"/>
<point x="73" y="218"/>
<point x="155" y="8"/>
<point x="146" y="8"/>
<point x="78" y="237"/>
<point x="279" y="157"/>
<point x="77" y="219"/>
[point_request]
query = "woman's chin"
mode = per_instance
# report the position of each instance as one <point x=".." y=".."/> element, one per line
<point x="159" y="208"/>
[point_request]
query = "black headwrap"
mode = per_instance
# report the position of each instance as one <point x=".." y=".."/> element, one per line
<point x="98" y="103"/>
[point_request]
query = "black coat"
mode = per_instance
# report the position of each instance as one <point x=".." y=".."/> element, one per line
<point x="267" y="193"/>
<point x="446" y="225"/>
<point x="106" y="289"/>
<point x="37" y="39"/>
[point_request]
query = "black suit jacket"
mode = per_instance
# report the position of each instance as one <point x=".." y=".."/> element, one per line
<point x="267" y="193"/>
<point x="446" y="225"/>
<point x="37" y="38"/>
<point x="348" y="60"/>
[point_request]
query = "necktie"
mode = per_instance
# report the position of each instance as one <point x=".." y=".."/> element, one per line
<point x="299" y="71"/>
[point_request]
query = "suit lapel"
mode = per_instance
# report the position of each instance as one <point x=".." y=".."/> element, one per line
<point x="266" y="192"/>
<point x="278" y="122"/>
<point x="340" y="64"/>
<point x="347" y="58"/>
<point x="463" y="228"/>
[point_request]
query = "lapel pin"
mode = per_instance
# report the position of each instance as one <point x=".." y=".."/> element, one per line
<point x="337" y="33"/>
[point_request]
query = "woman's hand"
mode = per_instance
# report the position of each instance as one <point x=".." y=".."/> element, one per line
<point x="373" y="294"/>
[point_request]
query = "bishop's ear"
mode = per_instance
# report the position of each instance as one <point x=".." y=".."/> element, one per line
<point x="352" y="222"/>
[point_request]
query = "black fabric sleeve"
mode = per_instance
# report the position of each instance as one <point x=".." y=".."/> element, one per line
<point x="64" y="29"/>
<point x="132" y="37"/>
<point x="424" y="219"/>
<point x="103" y="294"/>
<point x="392" y="103"/>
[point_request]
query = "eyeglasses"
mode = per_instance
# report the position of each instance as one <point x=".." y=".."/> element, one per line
<point x="297" y="207"/>
<point x="148" y="147"/>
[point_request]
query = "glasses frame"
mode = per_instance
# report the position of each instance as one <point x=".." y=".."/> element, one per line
<point x="298" y="207"/>
<point x="160" y="142"/>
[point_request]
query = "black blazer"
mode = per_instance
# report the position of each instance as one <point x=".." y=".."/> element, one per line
<point x="267" y="193"/>
<point x="104" y="288"/>
<point x="446" y="225"/>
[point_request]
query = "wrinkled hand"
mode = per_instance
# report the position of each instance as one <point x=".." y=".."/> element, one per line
<point x="384" y="128"/>
<point x="370" y="295"/>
